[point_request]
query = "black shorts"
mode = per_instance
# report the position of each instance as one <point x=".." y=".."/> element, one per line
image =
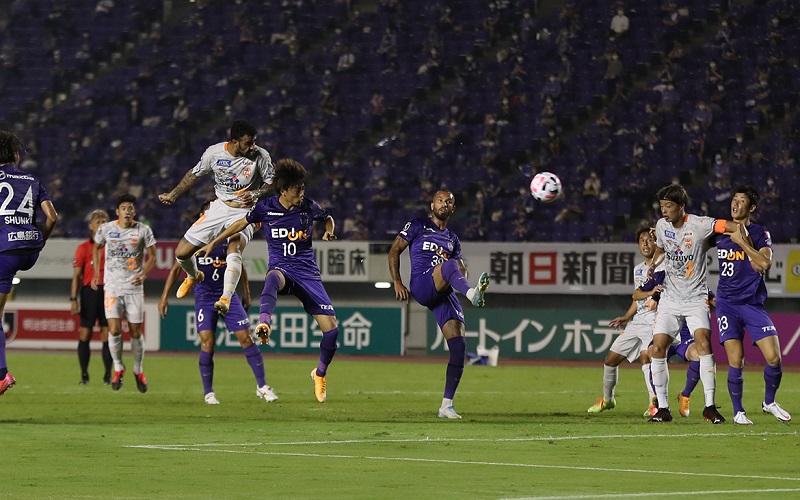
<point x="92" y="307"/>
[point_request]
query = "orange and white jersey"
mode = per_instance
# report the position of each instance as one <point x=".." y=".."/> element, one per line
<point x="235" y="174"/>
<point x="125" y="251"/>
<point x="685" y="260"/>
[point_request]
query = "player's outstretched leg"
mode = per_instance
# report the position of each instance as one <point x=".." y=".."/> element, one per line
<point x="479" y="290"/>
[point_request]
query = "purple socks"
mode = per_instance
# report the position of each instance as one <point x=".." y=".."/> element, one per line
<point x="772" y="380"/>
<point x="452" y="274"/>
<point x="455" y="367"/>
<point x="735" y="388"/>
<point x="692" y="378"/>
<point x="327" y="348"/>
<point x="269" y="297"/>
<point x="256" y="361"/>
<point x="207" y="371"/>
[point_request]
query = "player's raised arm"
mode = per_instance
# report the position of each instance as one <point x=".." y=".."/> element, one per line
<point x="189" y="180"/>
<point x="330" y="226"/>
<point x="400" y="290"/>
<point x="163" y="303"/>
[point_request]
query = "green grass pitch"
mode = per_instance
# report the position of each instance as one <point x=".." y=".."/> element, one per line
<point x="525" y="434"/>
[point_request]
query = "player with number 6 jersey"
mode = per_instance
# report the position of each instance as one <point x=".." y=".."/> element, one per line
<point x="206" y="316"/>
<point x="22" y="237"/>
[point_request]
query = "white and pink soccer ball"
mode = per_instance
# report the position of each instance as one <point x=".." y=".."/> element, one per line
<point x="546" y="187"/>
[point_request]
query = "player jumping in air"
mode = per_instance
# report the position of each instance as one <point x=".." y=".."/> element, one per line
<point x="242" y="173"/>
<point x="288" y="222"/>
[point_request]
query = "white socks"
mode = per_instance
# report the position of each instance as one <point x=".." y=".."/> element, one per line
<point x="232" y="274"/>
<point x="446" y="402"/>
<point x="660" y="372"/>
<point x="115" y="346"/>
<point x="189" y="265"/>
<point x="708" y="376"/>
<point x="610" y="377"/>
<point x="650" y="393"/>
<point x="137" y="349"/>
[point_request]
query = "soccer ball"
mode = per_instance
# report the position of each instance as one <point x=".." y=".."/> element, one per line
<point x="546" y="187"/>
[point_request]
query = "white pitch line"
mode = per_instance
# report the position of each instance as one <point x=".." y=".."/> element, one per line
<point x="472" y="440"/>
<point x="660" y="494"/>
<point x="466" y="462"/>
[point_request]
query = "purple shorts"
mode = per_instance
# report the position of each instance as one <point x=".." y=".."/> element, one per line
<point x="311" y="293"/>
<point x="10" y="264"/>
<point x="207" y="316"/>
<point x="680" y="349"/>
<point x="444" y="305"/>
<point x="733" y="319"/>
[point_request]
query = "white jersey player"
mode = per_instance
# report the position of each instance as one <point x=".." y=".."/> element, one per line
<point x="129" y="258"/>
<point x="634" y="341"/>
<point x="682" y="241"/>
<point x="242" y="174"/>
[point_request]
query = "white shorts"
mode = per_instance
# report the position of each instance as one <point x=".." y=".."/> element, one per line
<point x="631" y="342"/>
<point x="131" y="304"/>
<point x="211" y="224"/>
<point x="671" y="315"/>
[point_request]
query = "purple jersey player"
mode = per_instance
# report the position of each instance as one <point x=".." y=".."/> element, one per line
<point x="21" y="236"/>
<point x="206" y="293"/>
<point x="741" y="294"/>
<point x="288" y="219"/>
<point x="436" y="270"/>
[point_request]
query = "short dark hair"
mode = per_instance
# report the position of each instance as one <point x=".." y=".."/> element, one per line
<point x="644" y="227"/>
<point x="241" y="128"/>
<point x="674" y="193"/>
<point x="288" y="174"/>
<point x="126" y="198"/>
<point x="749" y="191"/>
<point x="10" y="147"/>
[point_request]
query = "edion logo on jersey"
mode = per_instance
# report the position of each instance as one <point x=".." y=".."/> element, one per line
<point x="291" y="235"/>
<point x="223" y="163"/>
<point x="669" y="234"/>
